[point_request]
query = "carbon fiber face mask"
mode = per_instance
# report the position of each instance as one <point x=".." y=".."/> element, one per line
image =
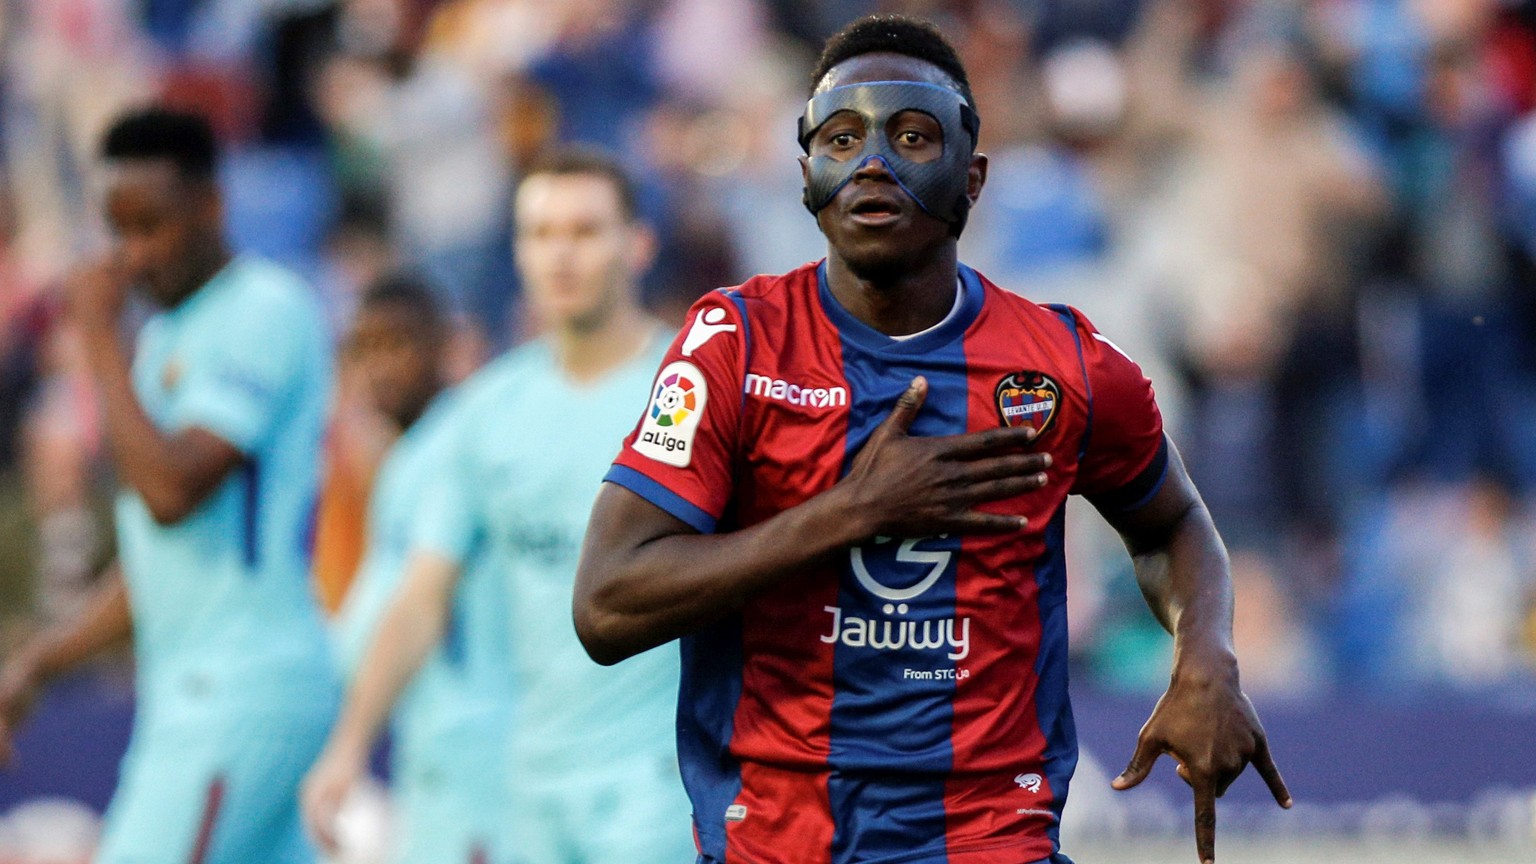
<point x="938" y="186"/>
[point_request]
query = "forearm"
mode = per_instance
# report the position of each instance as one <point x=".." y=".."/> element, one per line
<point x="106" y="623"/>
<point x="172" y="474"/>
<point x="673" y="585"/>
<point x="1188" y="586"/>
<point x="410" y="628"/>
<point x="142" y="454"/>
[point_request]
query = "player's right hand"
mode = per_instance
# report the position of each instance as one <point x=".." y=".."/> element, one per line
<point x="903" y="486"/>
<point x="323" y="793"/>
<point x="19" y="687"/>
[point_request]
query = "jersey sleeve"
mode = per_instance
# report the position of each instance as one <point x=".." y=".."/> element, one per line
<point x="239" y="382"/>
<point x="680" y="456"/>
<point x="447" y="520"/>
<point x="1125" y="457"/>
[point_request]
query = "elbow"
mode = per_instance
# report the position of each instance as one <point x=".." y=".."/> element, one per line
<point x="169" y="507"/>
<point x="600" y="634"/>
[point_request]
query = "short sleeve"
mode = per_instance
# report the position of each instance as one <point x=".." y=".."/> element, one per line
<point x="240" y="382"/>
<point x="447" y="520"/>
<point x="1125" y="455"/>
<point x="680" y="456"/>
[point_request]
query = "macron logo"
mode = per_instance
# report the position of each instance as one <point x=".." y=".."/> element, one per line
<point x="794" y="394"/>
<point x="706" y="326"/>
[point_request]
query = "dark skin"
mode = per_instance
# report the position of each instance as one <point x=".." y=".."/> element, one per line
<point x="168" y="229"/>
<point x="398" y="355"/>
<point x="169" y="241"/>
<point x="645" y="577"/>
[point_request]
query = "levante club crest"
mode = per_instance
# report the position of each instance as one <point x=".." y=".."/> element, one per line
<point x="1028" y="399"/>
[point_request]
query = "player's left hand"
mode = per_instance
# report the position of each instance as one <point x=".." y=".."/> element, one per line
<point x="95" y="294"/>
<point x="1208" y="725"/>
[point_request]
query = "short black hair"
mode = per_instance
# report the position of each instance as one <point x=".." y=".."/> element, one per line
<point x="895" y="34"/>
<point x="409" y="292"/>
<point x="583" y="159"/>
<point x="184" y="139"/>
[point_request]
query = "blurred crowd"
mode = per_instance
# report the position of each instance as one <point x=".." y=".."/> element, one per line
<point x="1312" y="221"/>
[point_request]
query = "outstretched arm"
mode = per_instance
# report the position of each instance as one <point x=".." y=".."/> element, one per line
<point x="646" y="577"/>
<point x="106" y="623"/>
<point x="410" y="628"/>
<point x="1204" y="720"/>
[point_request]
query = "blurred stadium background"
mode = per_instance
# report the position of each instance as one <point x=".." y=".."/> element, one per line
<point x="1312" y="221"/>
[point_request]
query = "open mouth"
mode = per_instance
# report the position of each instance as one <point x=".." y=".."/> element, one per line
<point x="875" y="210"/>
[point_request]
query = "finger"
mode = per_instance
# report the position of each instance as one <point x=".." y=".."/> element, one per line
<point x="1205" y="821"/>
<point x="1265" y="765"/>
<point x="976" y="444"/>
<point x="975" y="522"/>
<point x="998" y="490"/>
<point x="907" y="406"/>
<point x="1011" y="465"/>
<point x="1140" y="765"/>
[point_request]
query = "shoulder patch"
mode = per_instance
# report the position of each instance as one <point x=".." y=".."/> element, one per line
<point x="677" y="404"/>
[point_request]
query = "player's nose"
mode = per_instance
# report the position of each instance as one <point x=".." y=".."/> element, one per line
<point x="874" y="167"/>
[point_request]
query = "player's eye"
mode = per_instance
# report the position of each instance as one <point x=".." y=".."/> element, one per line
<point x="912" y="137"/>
<point x="843" y="139"/>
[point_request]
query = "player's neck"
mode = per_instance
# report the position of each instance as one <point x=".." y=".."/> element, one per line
<point x="586" y="354"/>
<point x="907" y="300"/>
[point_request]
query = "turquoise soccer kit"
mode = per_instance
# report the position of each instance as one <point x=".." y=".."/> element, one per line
<point x="452" y="722"/>
<point x="235" y="689"/>
<point x="593" y="776"/>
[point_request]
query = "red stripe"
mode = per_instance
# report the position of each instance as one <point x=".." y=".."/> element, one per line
<point x="212" y="804"/>
<point x="783" y="717"/>
<point x="997" y="734"/>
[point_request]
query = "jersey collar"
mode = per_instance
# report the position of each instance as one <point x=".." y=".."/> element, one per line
<point x="857" y="332"/>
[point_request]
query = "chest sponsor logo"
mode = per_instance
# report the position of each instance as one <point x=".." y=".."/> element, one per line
<point x="800" y="396"/>
<point x="671" y="421"/>
<point x="708" y="324"/>
<point x="894" y="630"/>
<point x="1028" y="399"/>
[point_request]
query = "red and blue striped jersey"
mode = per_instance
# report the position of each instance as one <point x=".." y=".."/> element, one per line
<point x="908" y="700"/>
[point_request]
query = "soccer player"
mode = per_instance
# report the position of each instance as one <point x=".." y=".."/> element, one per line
<point x="450" y="727"/>
<point x="215" y="433"/>
<point x="847" y="497"/>
<point x="593" y="773"/>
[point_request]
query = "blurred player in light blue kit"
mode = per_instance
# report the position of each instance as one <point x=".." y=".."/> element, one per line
<point x="593" y="773"/>
<point x="451" y="724"/>
<point x="215" y="433"/>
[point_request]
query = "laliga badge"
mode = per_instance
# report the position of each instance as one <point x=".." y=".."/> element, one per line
<point x="677" y="403"/>
<point x="1028" y="399"/>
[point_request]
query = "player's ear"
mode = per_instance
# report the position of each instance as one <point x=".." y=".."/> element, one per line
<point x="805" y="180"/>
<point x="976" y="177"/>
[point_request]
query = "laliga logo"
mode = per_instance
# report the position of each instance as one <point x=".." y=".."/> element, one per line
<point x="908" y="553"/>
<point x="1028" y="782"/>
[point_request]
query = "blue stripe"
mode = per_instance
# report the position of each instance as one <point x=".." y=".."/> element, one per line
<point x="1053" y="707"/>
<point x="1069" y="319"/>
<point x="707" y="696"/>
<point x="746" y="344"/>
<point x="891" y="749"/>
<point x="661" y="496"/>
<point x="250" y="528"/>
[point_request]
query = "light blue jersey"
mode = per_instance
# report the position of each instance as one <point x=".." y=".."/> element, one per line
<point x="593" y="748"/>
<point x="231" y="649"/>
<point x="452" y="723"/>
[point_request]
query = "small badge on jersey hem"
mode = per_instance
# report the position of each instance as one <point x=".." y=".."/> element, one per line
<point x="736" y="813"/>
<point x="672" y="419"/>
<point x="1028" y="398"/>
